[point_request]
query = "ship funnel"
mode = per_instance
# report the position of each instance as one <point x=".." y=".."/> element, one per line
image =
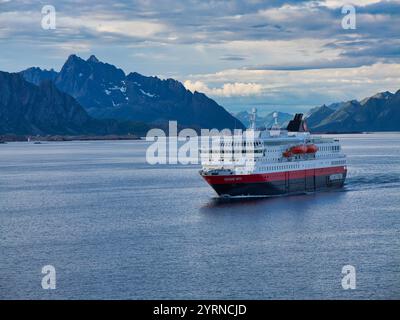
<point x="297" y="124"/>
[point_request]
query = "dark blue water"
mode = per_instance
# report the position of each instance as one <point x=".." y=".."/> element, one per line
<point x="117" y="228"/>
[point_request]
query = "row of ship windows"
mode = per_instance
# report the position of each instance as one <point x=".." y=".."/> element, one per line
<point x="295" y="166"/>
<point x="236" y="160"/>
<point x="244" y="143"/>
<point x="339" y="162"/>
<point x="253" y="151"/>
<point x="329" y="148"/>
<point x="259" y="151"/>
<point x="230" y="151"/>
<point x="247" y="144"/>
<point x="285" y="167"/>
<point x="323" y="148"/>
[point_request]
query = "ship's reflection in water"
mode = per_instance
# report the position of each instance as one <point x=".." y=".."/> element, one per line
<point x="301" y="201"/>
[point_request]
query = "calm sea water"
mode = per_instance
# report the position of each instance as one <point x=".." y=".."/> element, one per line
<point x="115" y="227"/>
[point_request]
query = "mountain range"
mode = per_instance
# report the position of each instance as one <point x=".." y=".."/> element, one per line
<point x="106" y="92"/>
<point x="380" y="112"/>
<point x="27" y="109"/>
<point x="93" y="97"/>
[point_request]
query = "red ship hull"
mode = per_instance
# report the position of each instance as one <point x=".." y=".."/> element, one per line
<point x="278" y="183"/>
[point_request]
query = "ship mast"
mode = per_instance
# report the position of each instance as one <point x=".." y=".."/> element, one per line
<point x="253" y="118"/>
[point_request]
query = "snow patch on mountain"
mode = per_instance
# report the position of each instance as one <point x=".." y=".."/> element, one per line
<point x="148" y="94"/>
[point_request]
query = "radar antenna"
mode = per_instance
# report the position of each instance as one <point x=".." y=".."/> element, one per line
<point x="276" y="124"/>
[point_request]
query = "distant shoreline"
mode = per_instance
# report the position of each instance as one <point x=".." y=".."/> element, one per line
<point x="59" y="138"/>
<point x="345" y="132"/>
<point x="355" y="132"/>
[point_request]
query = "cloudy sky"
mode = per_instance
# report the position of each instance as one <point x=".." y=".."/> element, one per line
<point x="273" y="54"/>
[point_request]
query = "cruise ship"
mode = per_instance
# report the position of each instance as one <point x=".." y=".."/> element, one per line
<point x="272" y="162"/>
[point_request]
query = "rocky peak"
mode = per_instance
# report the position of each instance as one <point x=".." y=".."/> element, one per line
<point x="73" y="58"/>
<point x="383" y="95"/>
<point x="379" y="96"/>
<point x="36" y="75"/>
<point x="93" y="59"/>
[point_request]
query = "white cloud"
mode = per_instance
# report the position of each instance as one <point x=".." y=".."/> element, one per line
<point x="198" y="86"/>
<point x="69" y="25"/>
<point x="236" y="89"/>
<point x="112" y="24"/>
<point x="315" y="86"/>
<point x="341" y="3"/>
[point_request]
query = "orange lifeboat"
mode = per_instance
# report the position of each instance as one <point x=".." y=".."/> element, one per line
<point x="299" y="149"/>
<point x="312" y="148"/>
